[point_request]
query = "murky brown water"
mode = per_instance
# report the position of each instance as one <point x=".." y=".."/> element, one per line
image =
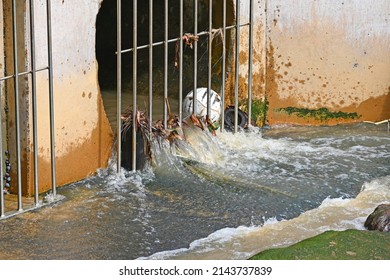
<point x="218" y="199"/>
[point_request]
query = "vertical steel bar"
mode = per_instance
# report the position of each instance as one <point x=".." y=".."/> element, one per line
<point x="2" y="210"/>
<point x="165" y="118"/>
<point x="237" y="66"/>
<point x="250" y="62"/>
<point x="223" y="65"/>
<point x="119" y="82"/>
<point x="265" y="56"/>
<point x="210" y="45"/>
<point x="34" y="101"/>
<point x="181" y="64"/>
<point x="16" y="88"/>
<point x="150" y="63"/>
<point x="134" y="143"/>
<point x="51" y="99"/>
<point x="195" y="74"/>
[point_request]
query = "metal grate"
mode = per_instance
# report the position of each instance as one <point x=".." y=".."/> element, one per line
<point x="11" y="79"/>
<point x="168" y="42"/>
<point x="24" y="204"/>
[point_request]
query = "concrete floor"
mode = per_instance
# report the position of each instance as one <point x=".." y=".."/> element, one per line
<point x="11" y="205"/>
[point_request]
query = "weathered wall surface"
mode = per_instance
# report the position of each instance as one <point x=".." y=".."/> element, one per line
<point x="1" y="40"/>
<point x="83" y="137"/>
<point x="2" y="71"/>
<point x="258" y="60"/>
<point x="10" y="101"/>
<point x="331" y="54"/>
<point x="318" y="62"/>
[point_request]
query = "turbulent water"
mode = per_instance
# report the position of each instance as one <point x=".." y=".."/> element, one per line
<point x="223" y="197"/>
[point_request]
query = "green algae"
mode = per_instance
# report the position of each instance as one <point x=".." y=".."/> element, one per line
<point x="335" y="245"/>
<point x="321" y="114"/>
<point x="259" y="111"/>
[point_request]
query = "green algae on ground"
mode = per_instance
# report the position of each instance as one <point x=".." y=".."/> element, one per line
<point x="335" y="245"/>
<point x="321" y="114"/>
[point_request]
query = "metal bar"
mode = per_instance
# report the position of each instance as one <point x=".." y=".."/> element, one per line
<point x="237" y="66"/>
<point x="16" y="88"/>
<point x="51" y="98"/>
<point x="134" y="143"/>
<point x="210" y="41"/>
<point x="265" y="57"/>
<point x="2" y="210"/>
<point x="223" y="78"/>
<point x="34" y="101"/>
<point x="22" y="74"/>
<point x="119" y="82"/>
<point x="195" y="73"/>
<point x="181" y="64"/>
<point x="156" y="44"/>
<point x="166" y="30"/>
<point x="150" y="64"/>
<point x="250" y="62"/>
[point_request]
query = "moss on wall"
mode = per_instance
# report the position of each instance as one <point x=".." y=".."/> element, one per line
<point x="321" y="114"/>
<point x="259" y="111"/>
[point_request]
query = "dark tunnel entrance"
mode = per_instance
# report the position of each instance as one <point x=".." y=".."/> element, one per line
<point x="106" y="48"/>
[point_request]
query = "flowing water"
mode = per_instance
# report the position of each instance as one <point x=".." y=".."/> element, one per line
<point x="223" y="197"/>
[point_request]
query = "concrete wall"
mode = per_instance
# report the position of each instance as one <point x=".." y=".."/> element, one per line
<point x="83" y="136"/>
<point x="9" y="107"/>
<point x="324" y="61"/>
<point x="2" y="72"/>
<point x="1" y="41"/>
<point x="330" y="54"/>
<point x="258" y="61"/>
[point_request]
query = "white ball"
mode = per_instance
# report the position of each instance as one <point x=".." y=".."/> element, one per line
<point x="201" y="96"/>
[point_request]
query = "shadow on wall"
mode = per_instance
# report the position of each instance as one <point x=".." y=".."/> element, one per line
<point x="106" y="45"/>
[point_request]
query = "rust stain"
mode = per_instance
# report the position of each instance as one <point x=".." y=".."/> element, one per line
<point x="271" y="75"/>
<point x="82" y="160"/>
<point x="257" y="86"/>
<point x="374" y="108"/>
<point x="243" y="57"/>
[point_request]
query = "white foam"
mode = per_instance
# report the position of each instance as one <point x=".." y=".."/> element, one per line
<point x="377" y="184"/>
<point x="239" y="243"/>
<point x="205" y="245"/>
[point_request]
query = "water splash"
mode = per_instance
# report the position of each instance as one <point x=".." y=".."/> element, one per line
<point x="243" y="242"/>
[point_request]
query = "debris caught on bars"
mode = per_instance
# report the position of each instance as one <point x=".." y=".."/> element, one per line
<point x="189" y="39"/>
<point x="145" y="131"/>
